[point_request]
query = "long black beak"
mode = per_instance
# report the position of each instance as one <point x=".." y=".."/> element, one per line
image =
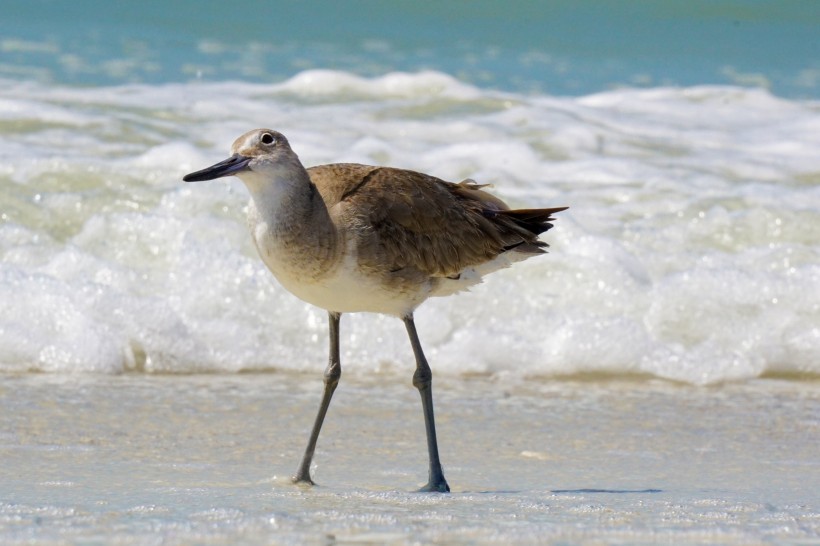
<point x="230" y="166"/>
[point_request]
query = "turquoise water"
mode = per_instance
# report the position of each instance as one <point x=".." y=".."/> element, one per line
<point x="561" y="47"/>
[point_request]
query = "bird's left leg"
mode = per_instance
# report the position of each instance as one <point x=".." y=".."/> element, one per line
<point x="332" y="374"/>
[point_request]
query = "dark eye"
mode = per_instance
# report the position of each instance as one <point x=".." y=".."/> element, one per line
<point x="267" y="138"/>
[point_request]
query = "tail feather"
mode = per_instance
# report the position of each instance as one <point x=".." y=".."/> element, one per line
<point x="512" y="229"/>
<point x="536" y="221"/>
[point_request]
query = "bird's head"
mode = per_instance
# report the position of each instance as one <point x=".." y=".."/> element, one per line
<point x="262" y="152"/>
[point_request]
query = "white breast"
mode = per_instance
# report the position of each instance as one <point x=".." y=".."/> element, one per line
<point x="343" y="288"/>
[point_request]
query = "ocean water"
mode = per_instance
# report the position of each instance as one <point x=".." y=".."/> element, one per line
<point x="689" y="252"/>
<point x="561" y="47"/>
<point x="678" y="303"/>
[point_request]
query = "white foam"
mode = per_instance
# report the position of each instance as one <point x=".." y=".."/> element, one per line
<point x="690" y="251"/>
<point x="337" y="85"/>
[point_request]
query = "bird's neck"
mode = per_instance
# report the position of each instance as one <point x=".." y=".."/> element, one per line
<point x="281" y="195"/>
<point x="289" y="209"/>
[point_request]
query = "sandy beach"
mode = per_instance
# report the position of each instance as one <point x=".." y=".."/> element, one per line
<point x="141" y="459"/>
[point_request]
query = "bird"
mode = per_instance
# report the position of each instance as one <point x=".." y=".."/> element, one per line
<point x="350" y="238"/>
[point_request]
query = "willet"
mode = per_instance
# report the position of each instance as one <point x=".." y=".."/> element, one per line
<point x="348" y="238"/>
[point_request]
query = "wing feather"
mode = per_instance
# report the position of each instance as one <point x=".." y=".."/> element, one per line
<point x="409" y="222"/>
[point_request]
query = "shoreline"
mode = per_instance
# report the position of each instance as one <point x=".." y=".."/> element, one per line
<point x="208" y="458"/>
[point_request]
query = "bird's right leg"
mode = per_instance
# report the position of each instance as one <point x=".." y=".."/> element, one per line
<point x="332" y="375"/>
<point x="423" y="381"/>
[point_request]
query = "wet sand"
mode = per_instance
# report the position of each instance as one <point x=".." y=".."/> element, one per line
<point x="140" y="459"/>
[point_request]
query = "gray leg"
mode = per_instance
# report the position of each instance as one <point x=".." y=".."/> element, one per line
<point x="423" y="381"/>
<point x="332" y="374"/>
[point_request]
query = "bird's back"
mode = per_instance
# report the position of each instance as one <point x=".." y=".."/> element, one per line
<point x="410" y="224"/>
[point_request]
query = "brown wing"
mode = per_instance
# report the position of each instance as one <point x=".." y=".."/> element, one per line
<point x="337" y="180"/>
<point x="405" y="220"/>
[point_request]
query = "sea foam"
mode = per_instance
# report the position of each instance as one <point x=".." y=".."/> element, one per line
<point x="691" y="250"/>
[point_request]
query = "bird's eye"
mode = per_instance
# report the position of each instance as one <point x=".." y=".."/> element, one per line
<point x="267" y="138"/>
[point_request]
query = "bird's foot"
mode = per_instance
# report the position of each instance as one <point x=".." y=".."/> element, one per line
<point x="302" y="479"/>
<point x="436" y="486"/>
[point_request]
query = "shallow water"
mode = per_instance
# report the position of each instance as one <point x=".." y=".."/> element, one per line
<point x="206" y="459"/>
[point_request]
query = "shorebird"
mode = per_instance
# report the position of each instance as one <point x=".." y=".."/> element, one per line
<point x="351" y="238"/>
